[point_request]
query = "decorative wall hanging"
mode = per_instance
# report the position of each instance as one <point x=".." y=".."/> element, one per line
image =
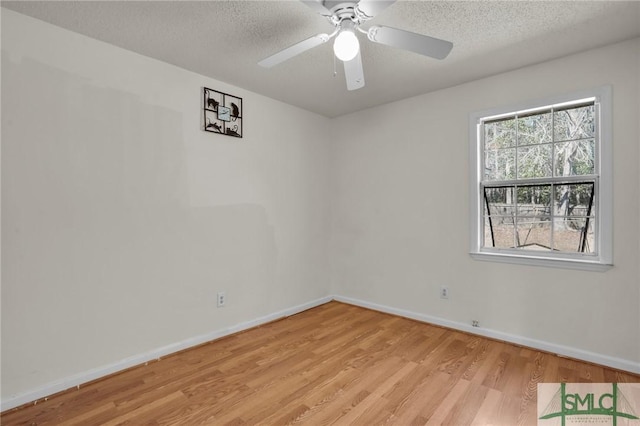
<point x="222" y="113"/>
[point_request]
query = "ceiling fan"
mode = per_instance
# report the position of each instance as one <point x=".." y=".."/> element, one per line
<point x="346" y="17"/>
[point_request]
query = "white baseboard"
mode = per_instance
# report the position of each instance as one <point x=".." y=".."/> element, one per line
<point x="618" y="363"/>
<point x="88" y="376"/>
<point x="96" y="373"/>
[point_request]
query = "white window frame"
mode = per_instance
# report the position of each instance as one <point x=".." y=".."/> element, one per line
<point x="602" y="260"/>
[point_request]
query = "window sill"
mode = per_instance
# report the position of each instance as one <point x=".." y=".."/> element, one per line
<point x="584" y="265"/>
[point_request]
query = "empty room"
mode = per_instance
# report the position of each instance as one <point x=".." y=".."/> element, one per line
<point x="320" y="212"/>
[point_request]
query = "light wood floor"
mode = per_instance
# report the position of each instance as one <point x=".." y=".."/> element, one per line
<point x="335" y="364"/>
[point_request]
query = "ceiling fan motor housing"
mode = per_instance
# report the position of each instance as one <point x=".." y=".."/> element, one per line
<point x="345" y="11"/>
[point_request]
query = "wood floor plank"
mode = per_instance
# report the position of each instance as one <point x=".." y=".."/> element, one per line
<point x="420" y="404"/>
<point x="467" y="406"/>
<point x="374" y="396"/>
<point x="89" y="417"/>
<point x="334" y="364"/>
<point x="353" y="393"/>
<point x="486" y="412"/>
<point x="445" y="408"/>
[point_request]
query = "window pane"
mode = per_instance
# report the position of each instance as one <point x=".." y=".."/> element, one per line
<point x="534" y="200"/>
<point x="534" y="233"/>
<point x="500" y="164"/>
<point x="522" y="217"/>
<point x="534" y="129"/>
<point x="569" y="235"/>
<point x="575" y="158"/>
<point x="534" y="161"/>
<point x="487" y="242"/>
<point x="573" y="199"/>
<point x="500" y="134"/>
<point x="503" y="232"/>
<point x="574" y="123"/>
<point x="500" y="200"/>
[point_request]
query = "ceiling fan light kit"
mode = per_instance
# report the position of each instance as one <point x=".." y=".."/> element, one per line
<point x="347" y="17"/>
<point x="346" y="44"/>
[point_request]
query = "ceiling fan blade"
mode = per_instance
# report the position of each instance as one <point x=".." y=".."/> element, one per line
<point x="371" y="8"/>
<point x="353" y="73"/>
<point x="418" y="43"/>
<point x="294" y="50"/>
<point x="317" y="6"/>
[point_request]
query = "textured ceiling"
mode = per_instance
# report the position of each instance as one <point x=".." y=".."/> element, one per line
<point x="226" y="39"/>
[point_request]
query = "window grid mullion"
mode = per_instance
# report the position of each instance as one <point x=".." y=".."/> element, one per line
<point x="552" y="214"/>
<point x="516" y="216"/>
<point x="553" y="175"/>
<point x="517" y="119"/>
<point x="553" y="143"/>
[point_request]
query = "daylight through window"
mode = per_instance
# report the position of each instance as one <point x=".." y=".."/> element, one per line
<point x="539" y="182"/>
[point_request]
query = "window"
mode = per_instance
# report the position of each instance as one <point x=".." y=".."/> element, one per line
<point x="541" y="182"/>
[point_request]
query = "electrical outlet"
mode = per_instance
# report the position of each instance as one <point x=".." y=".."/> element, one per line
<point x="475" y="323"/>
<point x="444" y="292"/>
<point x="222" y="299"/>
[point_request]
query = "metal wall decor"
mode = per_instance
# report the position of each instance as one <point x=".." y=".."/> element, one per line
<point x="222" y="113"/>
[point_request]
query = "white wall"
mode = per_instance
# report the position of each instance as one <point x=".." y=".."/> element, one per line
<point x="400" y="225"/>
<point x="121" y="219"/>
